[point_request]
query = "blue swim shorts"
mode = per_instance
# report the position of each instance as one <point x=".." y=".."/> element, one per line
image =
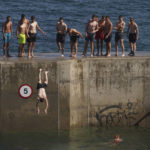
<point x="7" y="38"/>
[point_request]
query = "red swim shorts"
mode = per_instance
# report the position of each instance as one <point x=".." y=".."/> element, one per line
<point x="99" y="35"/>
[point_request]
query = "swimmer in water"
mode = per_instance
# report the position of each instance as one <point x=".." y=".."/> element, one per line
<point x="74" y="38"/>
<point x="117" y="139"/>
<point x="42" y="97"/>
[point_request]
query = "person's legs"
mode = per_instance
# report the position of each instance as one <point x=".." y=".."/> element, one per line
<point x="7" y="47"/>
<point x="23" y="52"/>
<point x="122" y="46"/>
<point x="46" y="100"/>
<point x="62" y="48"/>
<point x="92" y="48"/>
<point x="71" y="46"/>
<point x="40" y="74"/>
<point x="46" y="77"/>
<point x="97" y="43"/>
<point x="59" y="46"/>
<point x="29" y="49"/>
<point x="4" y="49"/>
<point x="116" y="47"/>
<point x="109" y="48"/>
<point x="85" y="47"/>
<point x="134" y="47"/>
<point x="102" y="47"/>
<point x="76" y="49"/>
<point x="32" y="49"/>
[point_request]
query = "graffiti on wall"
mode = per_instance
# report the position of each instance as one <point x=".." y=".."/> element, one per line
<point x="116" y="114"/>
<point x="141" y="119"/>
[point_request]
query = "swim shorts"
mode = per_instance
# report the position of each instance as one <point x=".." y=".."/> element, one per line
<point x="32" y="37"/>
<point x="99" y="35"/>
<point x="22" y="38"/>
<point x="132" y="37"/>
<point x="90" y="37"/>
<point x="74" y="38"/>
<point x="118" y="36"/>
<point x="60" y="38"/>
<point x="41" y="85"/>
<point x="108" y="39"/>
<point x="7" y="38"/>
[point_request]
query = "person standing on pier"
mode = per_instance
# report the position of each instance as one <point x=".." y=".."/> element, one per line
<point x="7" y="35"/>
<point x="22" y="33"/>
<point x="61" y="28"/>
<point x="74" y="38"/>
<point x="32" y="31"/>
<point x="91" y="29"/>
<point x="100" y="35"/>
<point x="120" y="25"/>
<point x="133" y="35"/>
<point x="26" y="22"/>
<point x="108" y="35"/>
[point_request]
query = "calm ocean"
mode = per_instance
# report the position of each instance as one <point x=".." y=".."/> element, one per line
<point x="76" y="13"/>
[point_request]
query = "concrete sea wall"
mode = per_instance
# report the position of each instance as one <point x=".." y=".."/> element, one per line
<point x="81" y="92"/>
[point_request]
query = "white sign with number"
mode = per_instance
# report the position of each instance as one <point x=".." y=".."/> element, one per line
<point x="25" y="91"/>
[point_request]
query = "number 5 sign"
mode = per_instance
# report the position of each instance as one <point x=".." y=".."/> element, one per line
<point x="25" y="91"/>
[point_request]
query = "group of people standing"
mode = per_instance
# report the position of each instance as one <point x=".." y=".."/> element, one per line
<point x="99" y="30"/>
<point x="26" y="30"/>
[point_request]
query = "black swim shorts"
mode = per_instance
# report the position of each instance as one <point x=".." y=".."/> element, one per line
<point x="32" y="37"/>
<point x="90" y="37"/>
<point x="74" y="38"/>
<point x="118" y="36"/>
<point x="60" y="38"/>
<point x="41" y="85"/>
<point x="132" y="37"/>
<point x="108" y="39"/>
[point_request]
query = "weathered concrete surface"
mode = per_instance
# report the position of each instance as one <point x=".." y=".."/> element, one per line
<point x="81" y="92"/>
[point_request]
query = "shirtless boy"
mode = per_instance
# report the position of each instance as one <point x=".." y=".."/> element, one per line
<point x="108" y="35"/>
<point x="32" y="31"/>
<point x="74" y="37"/>
<point x="100" y="35"/>
<point x="61" y="28"/>
<point x="25" y="21"/>
<point x="7" y="35"/>
<point x="91" y="29"/>
<point x="42" y="97"/>
<point x="133" y="35"/>
<point x="120" y="25"/>
<point x="22" y="33"/>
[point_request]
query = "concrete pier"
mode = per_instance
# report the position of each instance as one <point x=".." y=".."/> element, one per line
<point x="81" y="92"/>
